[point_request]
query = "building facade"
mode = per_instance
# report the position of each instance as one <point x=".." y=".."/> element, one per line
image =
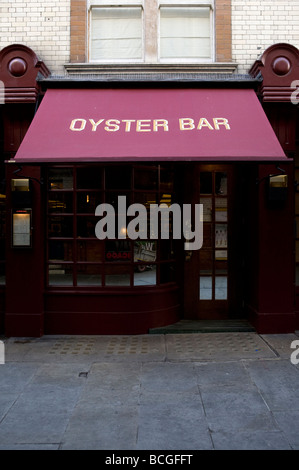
<point x="140" y="103"/>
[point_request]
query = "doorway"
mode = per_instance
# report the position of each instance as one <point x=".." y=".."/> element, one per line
<point x="212" y="275"/>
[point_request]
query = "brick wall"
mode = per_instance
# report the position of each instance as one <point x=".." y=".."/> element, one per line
<point x="78" y="31"/>
<point x="223" y="30"/>
<point x="57" y="31"/>
<point x="257" y="24"/>
<point x="44" y="26"/>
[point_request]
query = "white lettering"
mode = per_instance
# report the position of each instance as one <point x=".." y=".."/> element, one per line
<point x="294" y="358"/>
<point x="74" y="122"/>
<point x="95" y="124"/>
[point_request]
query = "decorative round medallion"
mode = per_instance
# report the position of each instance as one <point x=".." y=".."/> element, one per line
<point x="281" y="66"/>
<point x="17" y="67"/>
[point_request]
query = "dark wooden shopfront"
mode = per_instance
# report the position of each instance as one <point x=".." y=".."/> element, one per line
<point x="69" y="282"/>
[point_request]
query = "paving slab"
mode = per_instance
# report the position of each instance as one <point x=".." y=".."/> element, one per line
<point x="150" y="392"/>
<point x="220" y="346"/>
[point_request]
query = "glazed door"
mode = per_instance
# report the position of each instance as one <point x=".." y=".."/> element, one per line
<point x="208" y="272"/>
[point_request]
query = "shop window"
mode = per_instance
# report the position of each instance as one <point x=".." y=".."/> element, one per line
<point x="147" y="31"/>
<point x="76" y="257"/>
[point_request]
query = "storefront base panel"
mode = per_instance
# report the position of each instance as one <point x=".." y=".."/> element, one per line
<point x="111" y="313"/>
<point x="272" y="323"/>
<point x="24" y="325"/>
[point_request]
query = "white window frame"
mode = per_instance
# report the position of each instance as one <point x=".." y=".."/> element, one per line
<point x="160" y="3"/>
<point x="190" y="3"/>
<point x="115" y="3"/>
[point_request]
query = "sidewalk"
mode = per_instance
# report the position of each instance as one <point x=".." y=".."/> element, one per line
<point x="151" y="392"/>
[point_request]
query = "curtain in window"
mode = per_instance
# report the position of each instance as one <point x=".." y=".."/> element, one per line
<point x="185" y="33"/>
<point x="116" y="33"/>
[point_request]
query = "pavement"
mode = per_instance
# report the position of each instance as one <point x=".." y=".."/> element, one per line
<point x="165" y="392"/>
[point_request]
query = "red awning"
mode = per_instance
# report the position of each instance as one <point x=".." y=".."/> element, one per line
<point x="89" y="125"/>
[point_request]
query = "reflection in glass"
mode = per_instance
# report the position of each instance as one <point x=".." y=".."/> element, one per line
<point x="145" y="275"/>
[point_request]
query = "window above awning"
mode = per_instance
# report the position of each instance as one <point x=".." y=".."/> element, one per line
<point x="98" y="125"/>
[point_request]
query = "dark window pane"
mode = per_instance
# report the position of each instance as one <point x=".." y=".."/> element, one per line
<point x="60" y="202"/>
<point x="206" y="182"/>
<point x="61" y="178"/>
<point x="61" y="226"/>
<point x="87" y="202"/>
<point x="89" y="178"/>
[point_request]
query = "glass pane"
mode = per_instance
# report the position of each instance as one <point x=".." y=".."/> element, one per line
<point x="86" y="226"/>
<point x="166" y="179"/>
<point x="87" y="202"/>
<point x="146" y="178"/>
<point x="60" y="275"/>
<point x="118" y="177"/>
<point x="145" y="251"/>
<point x="116" y="33"/>
<point x="60" y="178"/>
<point x="207" y="208"/>
<point x="221" y="183"/>
<point x="185" y="32"/>
<point x="60" y="250"/>
<point x="221" y="235"/>
<point x="117" y="275"/>
<point x="145" y="275"/>
<point x="61" y="226"/>
<point x="220" y="214"/>
<point x="60" y="202"/>
<point x="206" y="182"/>
<point x="90" y="250"/>
<point x="221" y="288"/>
<point x="118" y="250"/>
<point x="89" y="178"/>
<point x="205" y="288"/>
<point x="146" y="198"/>
<point x="89" y="275"/>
